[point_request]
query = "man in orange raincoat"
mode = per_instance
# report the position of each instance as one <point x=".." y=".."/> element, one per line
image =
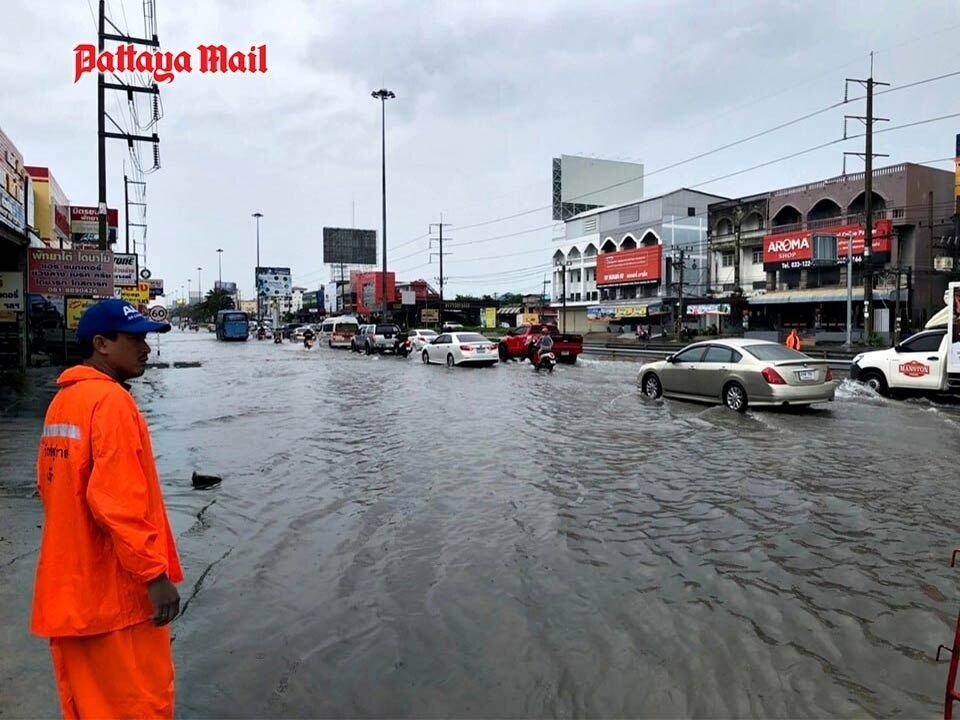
<point x="104" y="590"/>
<point x="793" y="340"/>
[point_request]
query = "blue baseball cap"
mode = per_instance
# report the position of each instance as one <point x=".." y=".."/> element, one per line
<point x="115" y="315"/>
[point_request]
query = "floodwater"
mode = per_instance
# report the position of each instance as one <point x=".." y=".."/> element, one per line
<point x="392" y="539"/>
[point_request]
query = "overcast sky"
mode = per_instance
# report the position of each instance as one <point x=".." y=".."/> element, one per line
<point x="487" y="94"/>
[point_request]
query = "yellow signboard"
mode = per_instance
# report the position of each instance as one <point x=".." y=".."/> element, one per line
<point x="529" y="318"/>
<point x="639" y="311"/>
<point x="76" y="308"/>
<point x="140" y="295"/>
<point x="490" y="317"/>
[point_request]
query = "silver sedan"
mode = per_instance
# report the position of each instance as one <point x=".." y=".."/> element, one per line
<point x="460" y="349"/>
<point x="738" y="373"/>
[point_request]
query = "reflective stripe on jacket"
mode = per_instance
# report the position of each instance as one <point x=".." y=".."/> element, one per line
<point x="105" y="530"/>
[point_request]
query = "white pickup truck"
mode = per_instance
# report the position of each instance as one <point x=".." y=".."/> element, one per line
<point x="918" y="364"/>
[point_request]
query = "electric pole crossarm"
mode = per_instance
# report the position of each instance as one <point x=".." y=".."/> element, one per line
<point x="128" y="39"/>
<point x="152" y="90"/>
<point x="136" y="138"/>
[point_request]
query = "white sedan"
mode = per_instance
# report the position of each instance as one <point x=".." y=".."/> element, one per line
<point x="460" y="349"/>
<point x="421" y="337"/>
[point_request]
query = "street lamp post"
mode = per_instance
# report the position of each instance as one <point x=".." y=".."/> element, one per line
<point x="220" y="278"/>
<point x="257" y="215"/>
<point x="383" y="95"/>
<point x="199" y="290"/>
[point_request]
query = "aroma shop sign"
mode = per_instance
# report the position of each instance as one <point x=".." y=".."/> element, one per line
<point x="164" y="66"/>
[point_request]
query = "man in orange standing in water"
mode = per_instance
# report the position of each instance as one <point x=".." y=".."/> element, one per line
<point x="104" y="591"/>
<point x="793" y="340"/>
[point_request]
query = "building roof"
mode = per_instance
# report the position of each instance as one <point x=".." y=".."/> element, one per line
<point x="608" y="208"/>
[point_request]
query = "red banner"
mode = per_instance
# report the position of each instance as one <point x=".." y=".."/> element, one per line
<point x="795" y="249"/>
<point x="629" y="266"/>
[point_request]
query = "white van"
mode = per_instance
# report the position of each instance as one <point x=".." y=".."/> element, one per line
<point x="339" y="331"/>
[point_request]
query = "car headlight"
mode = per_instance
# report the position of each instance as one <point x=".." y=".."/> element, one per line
<point x="858" y="358"/>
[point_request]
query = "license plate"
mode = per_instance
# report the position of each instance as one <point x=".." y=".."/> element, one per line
<point x="807" y="375"/>
<point x="565" y="352"/>
<point x="480" y="349"/>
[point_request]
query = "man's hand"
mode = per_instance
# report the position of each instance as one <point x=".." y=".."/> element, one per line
<point x="164" y="598"/>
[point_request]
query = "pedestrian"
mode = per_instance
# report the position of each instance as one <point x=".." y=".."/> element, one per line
<point x="793" y="340"/>
<point x="104" y="592"/>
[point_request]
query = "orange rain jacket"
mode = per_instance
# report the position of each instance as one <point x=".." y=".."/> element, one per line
<point x="105" y="531"/>
<point x="793" y="340"/>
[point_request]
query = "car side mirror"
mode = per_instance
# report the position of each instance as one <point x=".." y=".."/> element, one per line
<point x="671" y="359"/>
<point x="897" y="348"/>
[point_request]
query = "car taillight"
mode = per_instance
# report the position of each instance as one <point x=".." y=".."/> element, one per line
<point x="829" y="376"/>
<point x="772" y="377"/>
<point x="491" y="347"/>
<point x="466" y="347"/>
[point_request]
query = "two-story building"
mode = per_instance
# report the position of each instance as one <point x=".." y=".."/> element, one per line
<point x="631" y="264"/>
<point x="764" y="245"/>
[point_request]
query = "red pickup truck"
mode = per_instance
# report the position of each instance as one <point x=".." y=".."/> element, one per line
<point x="518" y="343"/>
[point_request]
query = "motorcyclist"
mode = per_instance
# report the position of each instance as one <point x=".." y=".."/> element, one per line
<point x="545" y="341"/>
<point x="308" y="338"/>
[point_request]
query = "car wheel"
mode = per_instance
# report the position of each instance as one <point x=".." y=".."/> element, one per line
<point x="425" y="357"/>
<point x="735" y="397"/>
<point x="502" y="352"/>
<point x="330" y="344"/>
<point x="875" y="380"/>
<point x="367" y="349"/>
<point x="450" y="362"/>
<point x="652" y="387"/>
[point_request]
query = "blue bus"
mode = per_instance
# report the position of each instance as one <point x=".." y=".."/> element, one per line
<point x="232" y="325"/>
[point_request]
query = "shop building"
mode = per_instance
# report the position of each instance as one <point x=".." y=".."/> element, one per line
<point x="51" y="208"/>
<point x="762" y="252"/>
<point x="14" y="240"/>
<point x="622" y="264"/>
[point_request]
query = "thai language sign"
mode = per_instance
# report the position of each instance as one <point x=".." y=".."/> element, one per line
<point x="125" y="270"/>
<point x="629" y="266"/>
<point x="11" y="292"/>
<point x="85" y="226"/>
<point x="70" y="272"/>
<point x="75" y="308"/>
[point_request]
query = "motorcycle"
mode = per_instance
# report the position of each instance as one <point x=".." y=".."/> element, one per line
<point x="277" y="338"/>
<point x="309" y="341"/>
<point x="261" y="334"/>
<point x="404" y="347"/>
<point x="543" y="361"/>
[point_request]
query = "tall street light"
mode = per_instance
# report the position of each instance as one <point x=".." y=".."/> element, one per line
<point x="383" y="95"/>
<point x="257" y="215"/>
<point x="220" y="266"/>
<point x="199" y="290"/>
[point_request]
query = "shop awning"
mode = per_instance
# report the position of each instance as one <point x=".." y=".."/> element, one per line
<point x="822" y="295"/>
<point x="510" y="310"/>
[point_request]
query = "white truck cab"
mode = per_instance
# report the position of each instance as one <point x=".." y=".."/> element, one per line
<point x="919" y="363"/>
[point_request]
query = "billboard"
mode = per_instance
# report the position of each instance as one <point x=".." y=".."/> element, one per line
<point x="953" y="328"/>
<point x="85" y="226"/>
<point x="125" y="271"/>
<point x="628" y="267"/>
<point x="349" y="247"/>
<point x="274" y="282"/>
<point x="582" y="183"/>
<point x="70" y="272"/>
<point x="788" y="251"/>
<point x="230" y="288"/>
<point x="156" y="288"/>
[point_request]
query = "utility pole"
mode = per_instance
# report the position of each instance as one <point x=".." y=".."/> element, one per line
<point x="867" y="156"/>
<point x="126" y="210"/>
<point x="102" y="116"/>
<point x="440" y="225"/>
<point x="258" y="215"/>
<point x="849" y="290"/>
<point x="680" y="264"/>
<point x="563" y="284"/>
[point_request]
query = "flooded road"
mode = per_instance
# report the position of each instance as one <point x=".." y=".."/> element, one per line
<point x="393" y="539"/>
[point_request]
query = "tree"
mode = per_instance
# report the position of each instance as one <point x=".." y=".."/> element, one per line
<point x="215" y="301"/>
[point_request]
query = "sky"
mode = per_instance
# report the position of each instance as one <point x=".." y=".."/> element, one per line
<point x="487" y="93"/>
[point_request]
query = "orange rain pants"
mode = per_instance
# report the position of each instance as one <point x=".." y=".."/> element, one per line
<point x="126" y="673"/>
